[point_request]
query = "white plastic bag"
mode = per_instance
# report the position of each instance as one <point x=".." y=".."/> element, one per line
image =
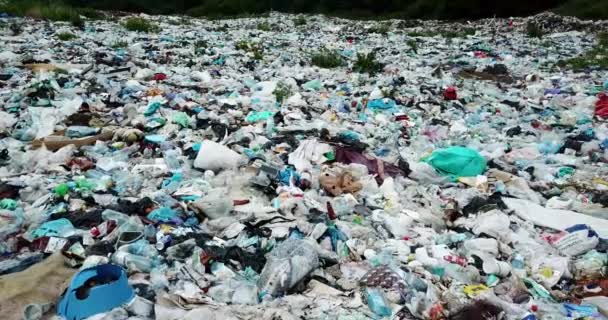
<point x="214" y="156"/>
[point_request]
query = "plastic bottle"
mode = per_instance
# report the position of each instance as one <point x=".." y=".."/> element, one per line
<point x="134" y="262"/>
<point x="140" y="248"/>
<point x="172" y="160"/>
<point x="518" y="266"/>
<point x="270" y="127"/>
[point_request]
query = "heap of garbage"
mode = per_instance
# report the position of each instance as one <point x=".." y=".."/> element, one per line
<point x="301" y="167"/>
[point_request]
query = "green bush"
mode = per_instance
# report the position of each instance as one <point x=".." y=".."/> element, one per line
<point x="254" y="48"/>
<point x="450" y="34"/>
<point x="602" y="39"/>
<point x="139" y="24"/>
<point x="424" y="34"/>
<point x="258" y="54"/>
<point x="66" y="36"/>
<point x="200" y="46"/>
<point x="50" y="10"/>
<point x="242" y="45"/>
<point x="413" y="45"/>
<point x="597" y="57"/>
<point x="299" y="21"/>
<point x="366" y="63"/>
<point x="327" y="59"/>
<point x="463" y="33"/>
<point x="264" y="26"/>
<point x="533" y="30"/>
<point x="16" y="28"/>
<point x="282" y="92"/>
<point x="382" y="28"/>
<point x="120" y="44"/>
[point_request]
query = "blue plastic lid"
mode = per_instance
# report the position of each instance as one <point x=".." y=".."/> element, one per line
<point x="95" y="290"/>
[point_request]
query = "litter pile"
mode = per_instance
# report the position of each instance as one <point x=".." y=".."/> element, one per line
<point x="301" y="168"/>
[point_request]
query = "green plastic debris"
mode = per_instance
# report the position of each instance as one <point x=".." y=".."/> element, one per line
<point x="565" y="171"/>
<point x="155" y="123"/>
<point x="152" y="108"/>
<point x="492" y="281"/>
<point x="330" y="156"/>
<point x="155" y="138"/>
<point x="257" y="116"/>
<point x="313" y="85"/>
<point x="457" y="162"/>
<point x="61" y="189"/>
<point x="536" y="290"/>
<point x="182" y="119"/>
<point x="84" y="184"/>
<point x="438" y="271"/>
<point x="8" y="204"/>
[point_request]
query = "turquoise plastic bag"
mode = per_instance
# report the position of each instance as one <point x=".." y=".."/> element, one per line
<point x="164" y="214"/>
<point x="257" y="116"/>
<point x="312" y="85"/>
<point x="152" y="108"/>
<point x="381" y="104"/>
<point x="182" y="119"/>
<point x="55" y="228"/>
<point x="457" y="162"/>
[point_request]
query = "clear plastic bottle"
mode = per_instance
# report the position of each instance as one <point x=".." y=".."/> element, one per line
<point x="134" y="262"/>
<point x="140" y="248"/>
<point x="172" y="160"/>
<point x="518" y="266"/>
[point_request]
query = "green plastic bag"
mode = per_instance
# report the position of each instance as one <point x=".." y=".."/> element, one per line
<point x="152" y="108"/>
<point x="312" y="85"/>
<point x="257" y="116"/>
<point x="182" y="119"/>
<point x="8" y="204"/>
<point x="457" y="162"/>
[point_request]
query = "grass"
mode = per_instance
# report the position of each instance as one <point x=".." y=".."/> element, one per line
<point x="602" y="39"/>
<point x="299" y="21"/>
<point x="449" y="34"/>
<point x="533" y="30"/>
<point x="120" y="44"/>
<point x="381" y="28"/>
<point x="597" y="57"/>
<point x="200" y="46"/>
<point x="222" y="28"/>
<point x="54" y="11"/>
<point x="16" y="28"/>
<point x="242" y="45"/>
<point x="254" y="48"/>
<point x="327" y="59"/>
<point x="139" y="24"/>
<point x="282" y="92"/>
<point x="66" y="36"/>
<point x="182" y="21"/>
<point x="366" y="63"/>
<point x="264" y="26"/>
<point x="413" y="45"/>
<point x="210" y="14"/>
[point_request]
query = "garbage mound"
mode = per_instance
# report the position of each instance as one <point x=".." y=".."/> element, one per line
<point x="301" y="167"/>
